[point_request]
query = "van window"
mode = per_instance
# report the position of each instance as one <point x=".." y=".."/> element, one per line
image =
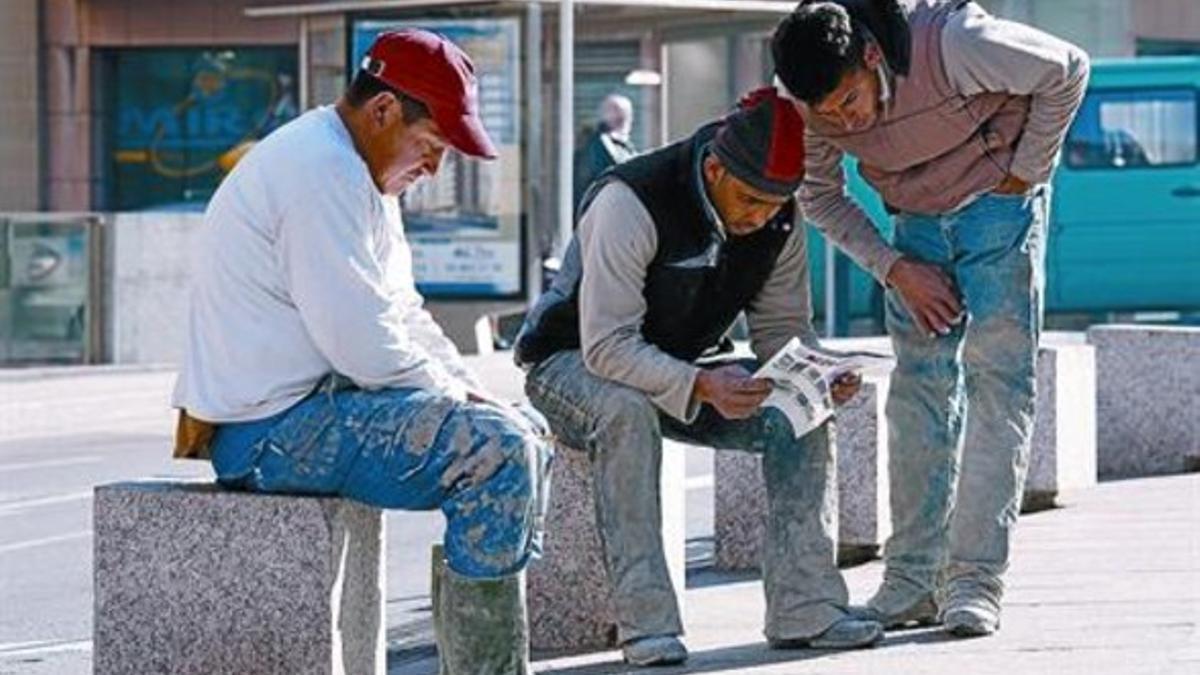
<point x="1119" y="129"/>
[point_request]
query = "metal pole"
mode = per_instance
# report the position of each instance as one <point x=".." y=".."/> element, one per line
<point x="536" y="234"/>
<point x="566" y="125"/>
<point x="830" y="288"/>
<point x="302" y="96"/>
<point x="96" y="308"/>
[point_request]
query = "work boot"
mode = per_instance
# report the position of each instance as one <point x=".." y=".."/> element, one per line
<point x="895" y="608"/>
<point x="480" y="624"/>
<point x="846" y="633"/>
<point x="655" y="650"/>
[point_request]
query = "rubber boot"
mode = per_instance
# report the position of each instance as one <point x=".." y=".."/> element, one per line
<point x="480" y="624"/>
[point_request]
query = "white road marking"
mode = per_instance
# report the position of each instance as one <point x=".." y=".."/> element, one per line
<point x="49" y="463"/>
<point x="44" y="647"/>
<point x="33" y="543"/>
<point x="18" y="505"/>
<point x="699" y="482"/>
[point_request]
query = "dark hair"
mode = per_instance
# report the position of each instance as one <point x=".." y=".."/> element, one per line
<point x="816" y="45"/>
<point x="366" y="86"/>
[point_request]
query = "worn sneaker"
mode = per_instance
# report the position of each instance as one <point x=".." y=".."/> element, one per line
<point x="971" y="606"/>
<point x="921" y="612"/>
<point x="656" y="650"/>
<point x="848" y="633"/>
<point x="971" y="618"/>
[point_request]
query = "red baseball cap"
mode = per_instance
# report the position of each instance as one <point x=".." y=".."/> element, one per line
<point x="434" y="71"/>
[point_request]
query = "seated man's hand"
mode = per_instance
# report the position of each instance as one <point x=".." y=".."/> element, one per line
<point x="928" y="294"/>
<point x="844" y="388"/>
<point x="731" y="390"/>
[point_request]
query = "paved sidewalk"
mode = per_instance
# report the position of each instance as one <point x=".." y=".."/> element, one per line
<point x="1109" y="585"/>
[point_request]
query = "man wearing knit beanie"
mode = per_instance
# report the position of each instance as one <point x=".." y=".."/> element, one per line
<point x="670" y="248"/>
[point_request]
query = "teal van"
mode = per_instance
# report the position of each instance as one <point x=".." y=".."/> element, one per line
<point x="1125" y="216"/>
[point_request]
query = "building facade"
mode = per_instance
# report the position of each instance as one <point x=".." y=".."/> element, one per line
<point x="142" y="106"/>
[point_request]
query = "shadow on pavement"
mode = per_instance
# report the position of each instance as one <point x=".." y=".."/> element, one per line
<point x="744" y="656"/>
<point x="706" y="577"/>
<point x="422" y="658"/>
<point x="707" y="661"/>
<point x="424" y="654"/>
<point x="917" y="636"/>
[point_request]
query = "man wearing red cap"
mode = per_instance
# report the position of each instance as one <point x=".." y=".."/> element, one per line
<point x="315" y="367"/>
<point x="671" y="247"/>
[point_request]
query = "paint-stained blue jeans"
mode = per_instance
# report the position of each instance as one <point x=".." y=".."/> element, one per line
<point x="485" y="467"/>
<point x="961" y="407"/>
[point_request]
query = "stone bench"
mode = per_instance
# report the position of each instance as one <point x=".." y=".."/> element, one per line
<point x="190" y="578"/>
<point x="1147" y="398"/>
<point x="570" y="606"/>
<point x="567" y="589"/>
<point x="1063" y="459"/>
<point x="863" y="521"/>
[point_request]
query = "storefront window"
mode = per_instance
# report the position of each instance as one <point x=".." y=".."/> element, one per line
<point x="176" y="120"/>
<point x="48" y="299"/>
<point x="464" y="224"/>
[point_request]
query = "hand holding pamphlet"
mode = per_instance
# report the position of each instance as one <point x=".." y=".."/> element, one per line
<point x="803" y="376"/>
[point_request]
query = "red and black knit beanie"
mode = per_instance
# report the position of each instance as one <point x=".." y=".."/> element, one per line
<point x="762" y="142"/>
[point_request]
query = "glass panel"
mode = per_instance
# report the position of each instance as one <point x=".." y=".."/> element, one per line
<point x="464" y="224"/>
<point x="44" y="292"/>
<point x="179" y="119"/>
<point x="600" y="70"/>
<point x="1131" y="129"/>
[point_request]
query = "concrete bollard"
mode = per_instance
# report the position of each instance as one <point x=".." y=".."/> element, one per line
<point x="190" y="578"/>
<point x="863" y="521"/>
<point x="1147" y="398"/>
<point x="570" y="604"/>
<point x="1063" y="456"/>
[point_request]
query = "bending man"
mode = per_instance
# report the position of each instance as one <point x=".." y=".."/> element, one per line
<point x="956" y="118"/>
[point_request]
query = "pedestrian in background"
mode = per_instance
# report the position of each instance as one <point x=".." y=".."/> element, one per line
<point x="606" y="145"/>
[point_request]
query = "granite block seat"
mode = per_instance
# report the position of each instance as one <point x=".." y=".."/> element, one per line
<point x="1147" y="398"/>
<point x="570" y="605"/>
<point x="190" y="578"/>
<point x="863" y="520"/>
<point x="1062" y="460"/>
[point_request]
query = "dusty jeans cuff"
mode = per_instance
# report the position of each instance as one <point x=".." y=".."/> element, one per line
<point x="806" y="625"/>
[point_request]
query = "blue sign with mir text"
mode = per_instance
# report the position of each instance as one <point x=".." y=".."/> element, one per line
<point x="181" y="117"/>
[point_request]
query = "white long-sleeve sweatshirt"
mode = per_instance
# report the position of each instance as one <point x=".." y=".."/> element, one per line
<point x="305" y="272"/>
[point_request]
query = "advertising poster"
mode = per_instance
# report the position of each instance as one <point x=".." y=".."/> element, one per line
<point x="180" y="118"/>
<point x="464" y="225"/>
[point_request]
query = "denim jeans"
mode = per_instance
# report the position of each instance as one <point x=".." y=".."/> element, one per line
<point x="485" y="467"/>
<point x="960" y="409"/>
<point x="621" y="430"/>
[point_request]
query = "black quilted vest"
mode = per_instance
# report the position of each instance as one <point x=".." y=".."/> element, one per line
<point x="698" y="281"/>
